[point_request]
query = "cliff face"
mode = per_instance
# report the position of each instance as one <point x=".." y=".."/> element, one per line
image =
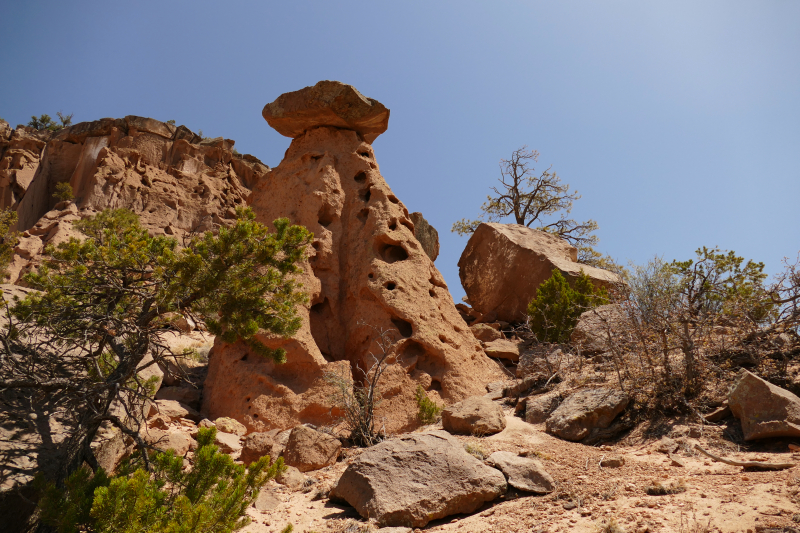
<point x="174" y="180"/>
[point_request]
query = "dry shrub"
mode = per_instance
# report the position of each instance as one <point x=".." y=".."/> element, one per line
<point x="659" y="489"/>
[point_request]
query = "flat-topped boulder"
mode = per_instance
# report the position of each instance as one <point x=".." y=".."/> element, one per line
<point x="328" y="103"/>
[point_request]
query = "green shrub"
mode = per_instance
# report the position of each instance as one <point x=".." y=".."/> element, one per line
<point x="557" y="306"/>
<point x="63" y="192"/>
<point x="211" y="497"/>
<point x="8" y="239"/>
<point x="428" y="410"/>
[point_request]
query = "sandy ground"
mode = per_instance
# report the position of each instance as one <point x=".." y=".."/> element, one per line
<point x="717" y="497"/>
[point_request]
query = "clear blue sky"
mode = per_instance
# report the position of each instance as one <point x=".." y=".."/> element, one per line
<point x="678" y="121"/>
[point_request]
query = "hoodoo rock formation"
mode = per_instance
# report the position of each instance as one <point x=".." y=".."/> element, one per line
<point x="366" y="269"/>
<point x="504" y="264"/>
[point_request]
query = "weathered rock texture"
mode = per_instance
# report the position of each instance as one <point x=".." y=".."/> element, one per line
<point x="174" y="180"/>
<point x="764" y="409"/>
<point x="426" y="234"/>
<point x="523" y="473"/>
<point x="591" y="331"/>
<point x="366" y="270"/>
<point x="504" y="264"/>
<point x="411" y="480"/>
<point x="328" y="103"/>
<point x="477" y="415"/>
<point x="309" y="449"/>
<point x="585" y="411"/>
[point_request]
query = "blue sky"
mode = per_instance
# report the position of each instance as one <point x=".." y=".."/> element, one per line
<point x="678" y="121"/>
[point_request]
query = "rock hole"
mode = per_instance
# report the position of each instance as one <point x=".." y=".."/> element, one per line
<point x="244" y="358"/>
<point x="365" y="154"/>
<point x="393" y="226"/>
<point x="255" y="416"/>
<point x="391" y="286"/>
<point x="442" y="338"/>
<point x="370" y="275"/>
<point x="393" y="199"/>
<point x="316" y="245"/>
<point x="361" y="177"/>
<point x="392" y="253"/>
<point x="365" y="194"/>
<point x="247" y="399"/>
<point x="316" y="157"/>
<point x="403" y="327"/>
<point x="408" y="224"/>
<point x="432" y="293"/>
<point x="326" y="215"/>
<point x="372" y="165"/>
<point x="436" y="385"/>
<point x="363" y="214"/>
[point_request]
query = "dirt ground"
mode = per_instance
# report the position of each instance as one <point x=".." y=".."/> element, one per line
<point x="592" y="498"/>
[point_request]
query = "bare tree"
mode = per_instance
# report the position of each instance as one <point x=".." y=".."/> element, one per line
<point x="358" y="398"/>
<point x="537" y="200"/>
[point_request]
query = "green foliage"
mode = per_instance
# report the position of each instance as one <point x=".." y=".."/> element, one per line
<point x="288" y="529"/>
<point x="428" y="410"/>
<point x="212" y="496"/>
<point x="63" y="192"/>
<point x="171" y="122"/>
<point x="557" y="306"/>
<point x="8" y="239"/>
<point x="45" y="122"/>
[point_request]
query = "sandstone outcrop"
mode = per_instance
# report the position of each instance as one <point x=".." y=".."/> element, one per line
<point x="328" y="103"/>
<point x="764" y="409"/>
<point x="523" y="473"/>
<point x="584" y="411"/>
<point x="366" y="269"/>
<point x="503" y="265"/>
<point x="174" y="180"/>
<point x="411" y="480"/>
<point x="477" y="415"/>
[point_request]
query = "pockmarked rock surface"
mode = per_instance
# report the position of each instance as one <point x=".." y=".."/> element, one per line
<point x="523" y="473"/>
<point x="764" y="410"/>
<point x="309" y="449"/>
<point x="328" y="103"/>
<point x="584" y="411"/>
<point x="411" y="480"/>
<point x="593" y="327"/>
<point x="477" y="415"/>
<point x="503" y="265"/>
<point x="366" y="269"/>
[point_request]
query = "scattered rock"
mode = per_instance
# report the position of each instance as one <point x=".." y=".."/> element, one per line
<point x="291" y="478"/>
<point x="503" y="265"/>
<point x="228" y="442"/>
<point x="486" y="333"/>
<point x="612" y="462"/>
<point x="229" y="425"/>
<point x="411" y="480"/>
<point x="185" y="395"/>
<point x="266" y="501"/>
<point x="426" y="234"/>
<point x="476" y="415"/>
<point x="502" y="349"/>
<point x="667" y="445"/>
<point x="718" y="414"/>
<point x="591" y="331"/>
<point x="539" y="408"/>
<point x="174" y="410"/>
<point x="764" y="409"/>
<point x="523" y="473"/>
<point x="328" y="103"/>
<point x="585" y="411"/>
<point x="257" y="445"/>
<point x="170" y="440"/>
<point x="309" y="449"/>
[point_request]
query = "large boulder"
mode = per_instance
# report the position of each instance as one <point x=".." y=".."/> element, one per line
<point x="523" y="473"/>
<point x="309" y="449"/>
<point x="426" y="234"/>
<point x="591" y="331"/>
<point x="411" y="480"/>
<point x="764" y="409"/>
<point x="328" y="103"/>
<point x="539" y="408"/>
<point x="366" y="269"/>
<point x="584" y="411"/>
<point x="477" y="415"/>
<point x="504" y="264"/>
<point x="502" y="349"/>
<point x="257" y="445"/>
